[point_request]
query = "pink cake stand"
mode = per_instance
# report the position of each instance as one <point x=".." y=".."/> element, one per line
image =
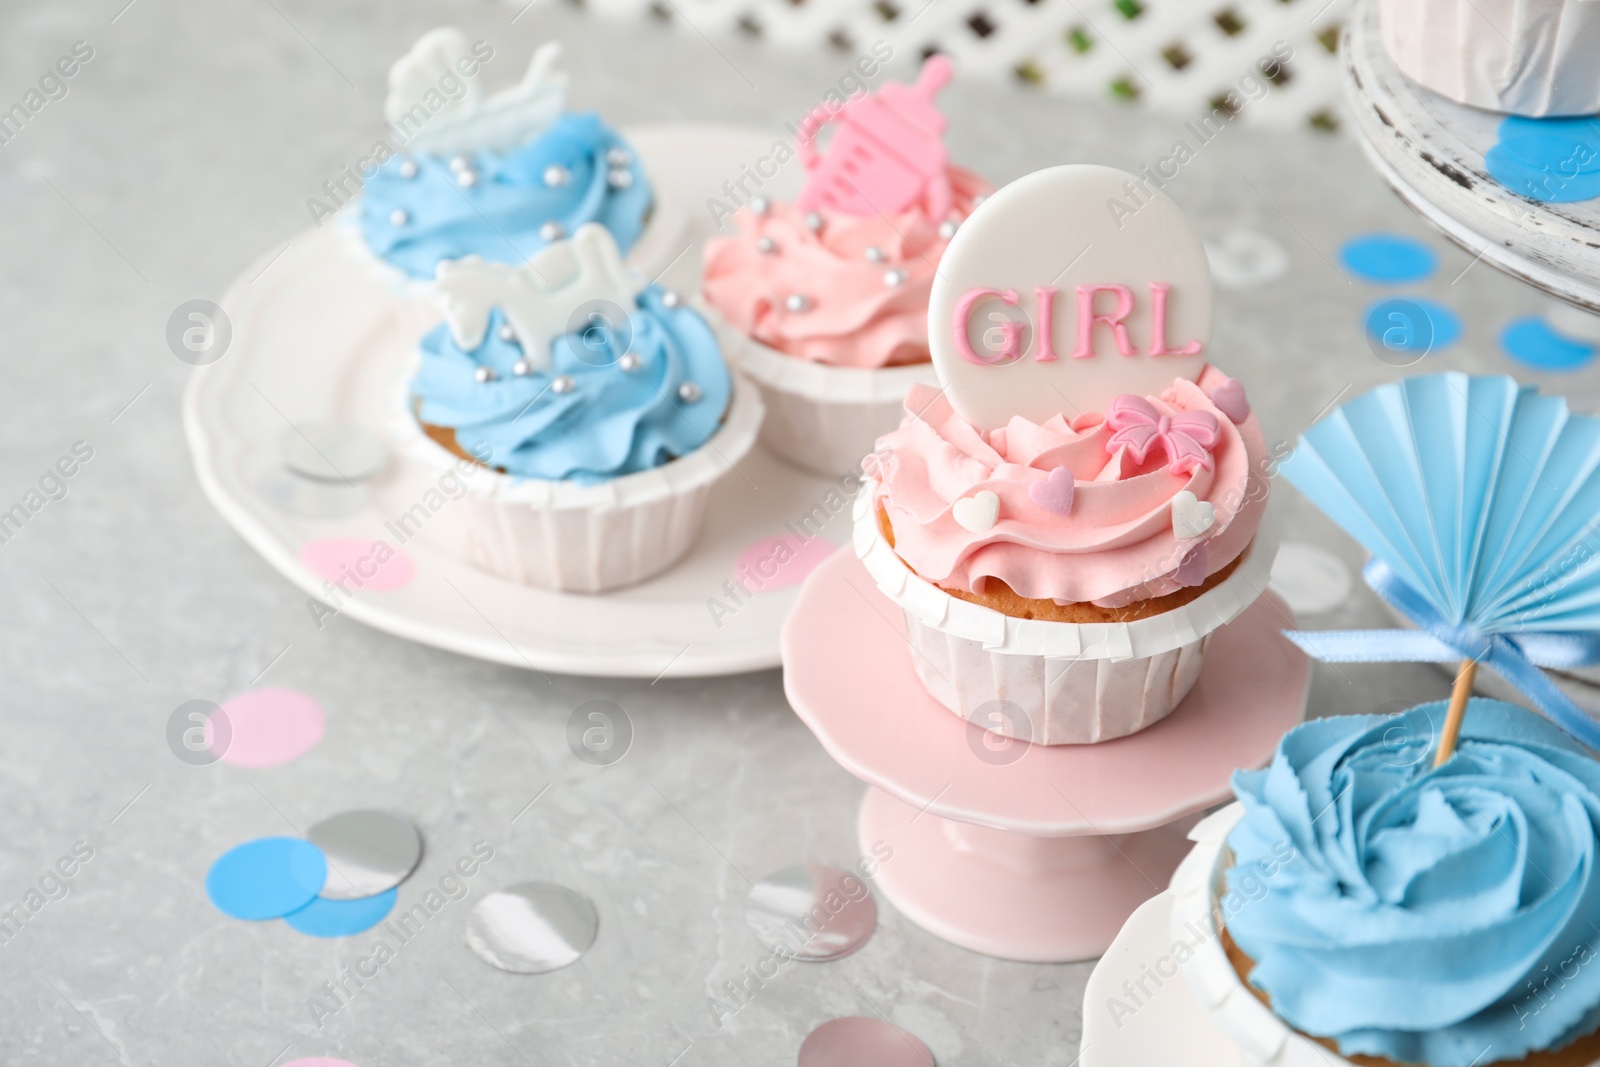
<point x="1042" y="852"/>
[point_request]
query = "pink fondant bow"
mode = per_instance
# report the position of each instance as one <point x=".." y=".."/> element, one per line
<point x="1186" y="438"/>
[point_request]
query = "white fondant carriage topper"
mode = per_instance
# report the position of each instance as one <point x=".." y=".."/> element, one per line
<point x="437" y="103"/>
<point x="1047" y="303"/>
<point x="543" y="299"/>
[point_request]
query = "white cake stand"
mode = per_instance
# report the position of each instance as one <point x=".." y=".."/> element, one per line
<point x="1431" y="150"/>
<point x="319" y="337"/>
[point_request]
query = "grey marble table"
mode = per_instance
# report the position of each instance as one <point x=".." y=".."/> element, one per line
<point x="183" y="148"/>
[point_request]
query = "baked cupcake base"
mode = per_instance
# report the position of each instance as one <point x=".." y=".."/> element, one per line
<point x="585" y="538"/>
<point x="1056" y="682"/>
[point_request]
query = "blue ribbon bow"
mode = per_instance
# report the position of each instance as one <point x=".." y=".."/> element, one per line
<point x="1517" y="659"/>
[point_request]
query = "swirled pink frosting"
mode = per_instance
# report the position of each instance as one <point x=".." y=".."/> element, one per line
<point x="1115" y="545"/>
<point x="854" y="317"/>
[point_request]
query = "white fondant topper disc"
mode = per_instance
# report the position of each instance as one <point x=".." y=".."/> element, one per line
<point x="1065" y="289"/>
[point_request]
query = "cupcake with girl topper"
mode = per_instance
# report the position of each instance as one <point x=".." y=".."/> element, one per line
<point x="1424" y="888"/>
<point x="1079" y="506"/>
<point x="498" y="176"/>
<point x="597" y="413"/>
<point x="829" y="294"/>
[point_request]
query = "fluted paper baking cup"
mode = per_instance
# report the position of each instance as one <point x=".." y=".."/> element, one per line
<point x="825" y="418"/>
<point x="1197" y="896"/>
<point x="1533" y="57"/>
<point x="586" y="538"/>
<point x="1056" y="683"/>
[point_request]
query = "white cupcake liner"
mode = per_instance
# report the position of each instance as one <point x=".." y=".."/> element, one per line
<point x="1198" y="898"/>
<point x="1056" y="683"/>
<point x="586" y="538"/>
<point x="825" y="418"/>
<point x="1532" y="57"/>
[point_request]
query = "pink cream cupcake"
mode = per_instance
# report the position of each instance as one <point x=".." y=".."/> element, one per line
<point x="1061" y="579"/>
<point x="831" y="292"/>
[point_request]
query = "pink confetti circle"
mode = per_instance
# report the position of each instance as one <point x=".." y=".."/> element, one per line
<point x="856" y="1041"/>
<point x="780" y="562"/>
<point x="271" y="727"/>
<point x="358" y="564"/>
<point x="319" y="1061"/>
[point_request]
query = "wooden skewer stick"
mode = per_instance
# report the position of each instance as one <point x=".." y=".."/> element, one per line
<point x="1457" y="712"/>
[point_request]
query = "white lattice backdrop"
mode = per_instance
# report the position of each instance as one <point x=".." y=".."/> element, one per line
<point x="1177" y="56"/>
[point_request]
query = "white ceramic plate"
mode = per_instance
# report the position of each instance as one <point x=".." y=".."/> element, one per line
<point x="318" y="338"/>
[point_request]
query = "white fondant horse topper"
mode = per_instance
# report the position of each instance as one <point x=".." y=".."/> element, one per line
<point x="436" y="99"/>
<point x="538" y="298"/>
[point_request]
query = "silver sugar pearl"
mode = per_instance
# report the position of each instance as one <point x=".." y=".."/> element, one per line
<point x="483" y="375"/>
<point x="555" y="174"/>
<point x="875" y="255"/>
<point x="797" y="302"/>
<point x="466" y="179"/>
<point x="552" y="231"/>
<point x="766" y="246"/>
<point x="813" y="222"/>
<point x="947" y="229"/>
<point x="619" y="179"/>
<point x="398" y="217"/>
<point x="460" y="163"/>
<point x="670" y="299"/>
<point x="895" y="277"/>
<point x="408" y="169"/>
<point x="562" y="383"/>
<point x="980" y="198"/>
<point x="630" y="361"/>
<point x="618" y="157"/>
<point x="761" y="205"/>
<point x="507" y="333"/>
<point x="688" y="392"/>
<point x="522" y="368"/>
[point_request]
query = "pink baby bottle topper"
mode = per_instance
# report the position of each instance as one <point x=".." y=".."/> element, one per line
<point x="887" y="154"/>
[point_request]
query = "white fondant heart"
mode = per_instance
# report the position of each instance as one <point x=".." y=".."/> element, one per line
<point x="977" y="512"/>
<point x="1191" y="516"/>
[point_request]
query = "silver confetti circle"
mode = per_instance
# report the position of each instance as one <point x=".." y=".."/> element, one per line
<point x="308" y="498"/>
<point x="334" y="452"/>
<point x="688" y="392"/>
<point x="812" y="912"/>
<point x="555" y="174"/>
<point x="552" y="231"/>
<point x="368" y="852"/>
<point x="532" y="927"/>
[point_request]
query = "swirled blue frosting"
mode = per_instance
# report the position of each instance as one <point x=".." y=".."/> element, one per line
<point x="1445" y="916"/>
<point x="414" y="223"/>
<point x="610" y="420"/>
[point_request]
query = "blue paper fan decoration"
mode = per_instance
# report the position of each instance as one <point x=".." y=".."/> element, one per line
<point x="1479" y="500"/>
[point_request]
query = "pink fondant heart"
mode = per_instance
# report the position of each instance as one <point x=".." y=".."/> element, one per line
<point x="1054" y="493"/>
<point x="1230" y="400"/>
<point x="1194" y="568"/>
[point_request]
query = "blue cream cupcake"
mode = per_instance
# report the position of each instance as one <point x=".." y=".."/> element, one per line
<point x="603" y="412"/>
<point x="499" y="177"/>
<point x="1359" y="901"/>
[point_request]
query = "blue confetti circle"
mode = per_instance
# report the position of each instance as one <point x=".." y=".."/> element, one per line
<point x="1405" y="329"/>
<point x="1388" y="258"/>
<point x="1532" y="341"/>
<point x="266" y="878"/>
<point x="341" y="918"/>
